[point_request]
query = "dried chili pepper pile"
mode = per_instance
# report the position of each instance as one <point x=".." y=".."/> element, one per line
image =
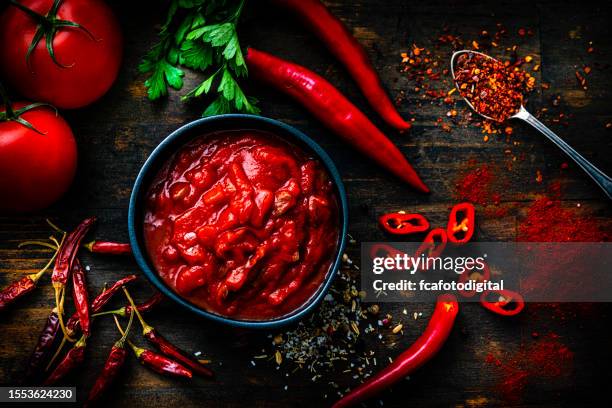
<point x="47" y="370"/>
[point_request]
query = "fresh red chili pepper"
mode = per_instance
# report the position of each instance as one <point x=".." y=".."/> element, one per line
<point x="433" y="245"/>
<point x="112" y="366"/>
<point x="80" y="296"/>
<point x="108" y="247"/>
<point x="403" y="224"/>
<point x="167" y="348"/>
<point x="461" y="223"/>
<point x="63" y="264"/>
<point x="420" y="352"/>
<point x="334" y="34"/>
<point x="43" y="348"/>
<point x="477" y="276"/>
<point x="506" y="303"/>
<point x="332" y="108"/>
<point x="73" y="359"/>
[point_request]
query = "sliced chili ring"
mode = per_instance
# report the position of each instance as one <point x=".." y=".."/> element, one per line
<point x="433" y="244"/>
<point x="507" y="303"/>
<point x="461" y="223"/>
<point x="403" y="224"/>
<point x="466" y="276"/>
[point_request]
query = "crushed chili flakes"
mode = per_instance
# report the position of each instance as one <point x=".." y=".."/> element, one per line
<point x="494" y="90"/>
<point x="431" y="81"/>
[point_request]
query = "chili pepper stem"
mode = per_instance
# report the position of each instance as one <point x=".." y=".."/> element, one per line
<point x="82" y="341"/>
<point x="89" y="245"/>
<point x="116" y="312"/>
<point x="121" y="341"/>
<point x="36" y="276"/>
<point x="55" y="227"/>
<point x="145" y="327"/>
<point x="57" y="353"/>
<point x="137" y="350"/>
<point x="37" y="243"/>
<point x="59" y="302"/>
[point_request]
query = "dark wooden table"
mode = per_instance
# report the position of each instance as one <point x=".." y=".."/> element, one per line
<point x="116" y="134"/>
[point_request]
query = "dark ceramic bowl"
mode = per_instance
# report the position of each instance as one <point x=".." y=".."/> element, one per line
<point x="173" y="143"/>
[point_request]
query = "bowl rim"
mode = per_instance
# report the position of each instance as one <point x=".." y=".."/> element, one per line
<point x="286" y="132"/>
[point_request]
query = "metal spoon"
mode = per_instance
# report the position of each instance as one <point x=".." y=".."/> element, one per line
<point x="603" y="180"/>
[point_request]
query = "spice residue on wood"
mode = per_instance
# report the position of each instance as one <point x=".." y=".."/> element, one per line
<point x="543" y="357"/>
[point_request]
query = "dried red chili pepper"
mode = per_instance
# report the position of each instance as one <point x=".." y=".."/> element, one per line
<point x="167" y="348"/>
<point x="19" y="289"/>
<point x="29" y="282"/>
<point x="73" y="359"/>
<point x="160" y="363"/>
<point x="433" y="245"/>
<point x="80" y="296"/>
<point x="112" y="366"/>
<point x="63" y="264"/>
<point x="147" y="305"/>
<point x="42" y="348"/>
<point x="108" y="247"/>
<point x="468" y="275"/>
<point x="403" y="224"/>
<point x="507" y="303"/>
<point x="143" y="307"/>
<point x="157" y="362"/>
<point x="419" y="353"/>
<point x="72" y="325"/>
<point x="334" y="110"/>
<point x="461" y="223"/>
<point x="332" y="32"/>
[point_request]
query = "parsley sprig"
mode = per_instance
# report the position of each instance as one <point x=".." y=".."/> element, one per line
<point x="201" y="35"/>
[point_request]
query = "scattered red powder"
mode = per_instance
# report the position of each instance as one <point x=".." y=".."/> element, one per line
<point x="548" y="221"/>
<point x="544" y="357"/>
<point x="475" y="185"/>
<point x="480" y="184"/>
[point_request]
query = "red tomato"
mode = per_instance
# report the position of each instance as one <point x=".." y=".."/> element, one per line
<point x="91" y="64"/>
<point x="35" y="169"/>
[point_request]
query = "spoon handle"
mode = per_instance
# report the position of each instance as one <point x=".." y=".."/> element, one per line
<point x="603" y="180"/>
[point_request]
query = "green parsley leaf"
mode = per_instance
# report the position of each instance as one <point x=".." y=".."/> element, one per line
<point x="200" y="35"/>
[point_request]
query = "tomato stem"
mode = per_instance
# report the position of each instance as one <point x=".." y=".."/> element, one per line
<point x="15" y="116"/>
<point x="47" y="28"/>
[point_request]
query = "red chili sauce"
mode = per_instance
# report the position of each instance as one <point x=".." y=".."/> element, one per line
<point x="242" y="224"/>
